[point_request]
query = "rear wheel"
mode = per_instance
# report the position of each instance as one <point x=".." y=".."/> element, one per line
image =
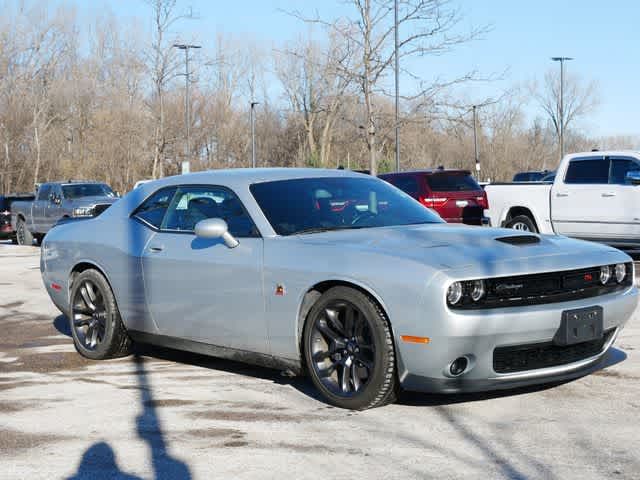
<point x="349" y="350"/>
<point x="97" y="329"/>
<point x="23" y="235"/>
<point x="522" y="223"/>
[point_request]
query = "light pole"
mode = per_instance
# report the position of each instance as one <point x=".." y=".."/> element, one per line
<point x="397" y="82"/>
<point x="561" y="108"/>
<point x="475" y="137"/>
<point x="253" y="134"/>
<point x="187" y="116"/>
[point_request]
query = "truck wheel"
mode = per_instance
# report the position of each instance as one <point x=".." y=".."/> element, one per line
<point x="23" y="235"/>
<point x="522" y="223"/>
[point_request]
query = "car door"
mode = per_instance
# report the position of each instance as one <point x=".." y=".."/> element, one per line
<point x="51" y="211"/>
<point x="38" y="209"/>
<point x="200" y="289"/>
<point x="623" y="200"/>
<point x="579" y="206"/>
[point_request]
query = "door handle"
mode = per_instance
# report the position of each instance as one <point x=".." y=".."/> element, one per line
<point x="562" y="194"/>
<point x="608" y="194"/>
<point x="156" y="249"/>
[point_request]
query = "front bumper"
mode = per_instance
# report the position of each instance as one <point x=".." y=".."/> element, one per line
<point x="475" y="335"/>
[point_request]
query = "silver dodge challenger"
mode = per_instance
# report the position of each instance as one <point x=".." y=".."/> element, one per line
<point x="337" y="275"/>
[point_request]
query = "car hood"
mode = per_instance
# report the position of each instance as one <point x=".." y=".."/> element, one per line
<point x="448" y="246"/>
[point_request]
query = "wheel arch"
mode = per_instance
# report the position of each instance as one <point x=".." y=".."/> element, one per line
<point x="520" y="210"/>
<point x="82" y="266"/>
<point x="314" y="292"/>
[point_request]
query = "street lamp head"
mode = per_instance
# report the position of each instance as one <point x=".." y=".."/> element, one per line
<point x="185" y="46"/>
<point x="561" y="59"/>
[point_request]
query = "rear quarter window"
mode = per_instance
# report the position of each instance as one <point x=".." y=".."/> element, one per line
<point x="452" y="182"/>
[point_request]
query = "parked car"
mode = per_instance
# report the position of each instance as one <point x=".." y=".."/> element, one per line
<point x="530" y="176"/>
<point x="6" y="231"/>
<point x="453" y="194"/>
<point x="594" y="196"/>
<point x="258" y="265"/>
<point x="58" y="200"/>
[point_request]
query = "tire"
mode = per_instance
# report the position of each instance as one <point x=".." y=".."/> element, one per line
<point x="368" y="361"/>
<point x="99" y="313"/>
<point x="522" y="223"/>
<point x="23" y="235"/>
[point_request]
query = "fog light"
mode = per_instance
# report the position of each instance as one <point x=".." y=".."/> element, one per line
<point x="477" y="290"/>
<point x="621" y="272"/>
<point x="454" y="294"/>
<point x="605" y="274"/>
<point x="458" y="366"/>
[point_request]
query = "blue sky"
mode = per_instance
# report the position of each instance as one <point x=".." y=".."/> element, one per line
<point x="601" y="36"/>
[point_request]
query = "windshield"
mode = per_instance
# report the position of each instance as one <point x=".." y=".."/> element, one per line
<point x="310" y="205"/>
<point x="78" y="190"/>
<point x="452" y="182"/>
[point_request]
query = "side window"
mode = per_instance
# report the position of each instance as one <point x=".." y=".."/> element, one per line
<point x="619" y="169"/>
<point x="592" y="171"/>
<point x="199" y="202"/>
<point x="153" y="209"/>
<point x="43" y="192"/>
<point x="408" y="185"/>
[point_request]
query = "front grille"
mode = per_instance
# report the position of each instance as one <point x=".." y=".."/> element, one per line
<point x="543" y="288"/>
<point x="521" y="358"/>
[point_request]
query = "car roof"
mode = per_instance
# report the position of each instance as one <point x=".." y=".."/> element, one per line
<point x="252" y="175"/>
<point x="430" y="171"/>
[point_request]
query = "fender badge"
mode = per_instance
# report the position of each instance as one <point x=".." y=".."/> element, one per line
<point x="280" y="291"/>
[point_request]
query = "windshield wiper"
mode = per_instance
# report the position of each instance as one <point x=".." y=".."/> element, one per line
<point x="327" y="229"/>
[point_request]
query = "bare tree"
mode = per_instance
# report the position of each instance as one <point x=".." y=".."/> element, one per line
<point x="315" y="85"/>
<point x="162" y="66"/>
<point x="580" y="99"/>
<point x="428" y="28"/>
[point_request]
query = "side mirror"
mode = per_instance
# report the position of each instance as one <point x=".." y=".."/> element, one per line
<point x="216" y="228"/>
<point x="633" y="177"/>
<point x="56" y="199"/>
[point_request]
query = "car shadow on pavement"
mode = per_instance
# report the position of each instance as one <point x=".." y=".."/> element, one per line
<point x="304" y="385"/>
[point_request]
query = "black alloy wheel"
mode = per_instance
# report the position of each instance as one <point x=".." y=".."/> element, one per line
<point x="97" y="329"/>
<point x="349" y="350"/>
<point x="342" y="349"/>
<point x="89" y="315"/>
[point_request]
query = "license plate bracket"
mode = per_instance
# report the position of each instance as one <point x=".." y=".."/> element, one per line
<point x="580" y="325"/>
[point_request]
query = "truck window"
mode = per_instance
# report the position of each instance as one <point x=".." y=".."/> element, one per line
<point x="590" y="171"/>
<point x="448" y="182"/>
<point x="619" y="169"/>
<point x="43" y="192"/>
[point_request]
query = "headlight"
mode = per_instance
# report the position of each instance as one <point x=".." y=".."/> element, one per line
<point x="621" y="272"/>
<point x="477" y="290"/>
<point x="454" y="294"/>
<point x="605" y="274"/>
<point x="83" y="211"/>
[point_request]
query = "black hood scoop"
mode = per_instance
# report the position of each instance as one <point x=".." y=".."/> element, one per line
<point x="519" y="240"/>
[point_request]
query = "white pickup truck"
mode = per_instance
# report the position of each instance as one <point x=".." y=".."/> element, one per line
<point x="595" y="196"/>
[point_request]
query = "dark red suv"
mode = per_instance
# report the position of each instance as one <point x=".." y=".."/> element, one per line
<point x="454" y="194"/>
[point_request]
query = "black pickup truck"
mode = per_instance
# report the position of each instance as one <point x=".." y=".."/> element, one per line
<point x="6" y="230"/>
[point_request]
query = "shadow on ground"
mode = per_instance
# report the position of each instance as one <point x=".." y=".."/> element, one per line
<point x="305" y="386"/>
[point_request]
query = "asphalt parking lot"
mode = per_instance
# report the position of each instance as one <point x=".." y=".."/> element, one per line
<point x="165" y="414"/>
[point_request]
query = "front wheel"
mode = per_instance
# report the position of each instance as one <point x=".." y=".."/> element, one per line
<point x="97" y="329"/>
<point x="522" y="223"/>
<point x="349" y="350"/>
